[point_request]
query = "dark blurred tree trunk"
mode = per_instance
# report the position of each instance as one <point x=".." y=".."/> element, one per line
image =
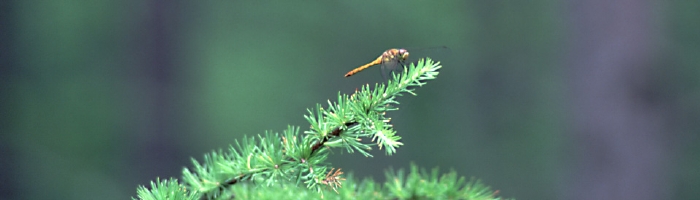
<point x="158" y="152"/>
<point x="8" y="73"/>
<point x="618" y="125"/>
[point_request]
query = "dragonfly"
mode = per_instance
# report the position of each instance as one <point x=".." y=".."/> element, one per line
<point x="389" y="61"/>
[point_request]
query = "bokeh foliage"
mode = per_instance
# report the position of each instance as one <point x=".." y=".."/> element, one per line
<point x="100" y="96"/>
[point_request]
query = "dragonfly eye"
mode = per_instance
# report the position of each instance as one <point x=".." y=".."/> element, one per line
<point x="404" y="54"/>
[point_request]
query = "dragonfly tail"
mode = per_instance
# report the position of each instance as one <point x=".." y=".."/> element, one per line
<point x="363" y="67"/>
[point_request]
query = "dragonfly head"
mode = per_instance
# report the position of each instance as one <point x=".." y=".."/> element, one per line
<point x="403" y="54"/>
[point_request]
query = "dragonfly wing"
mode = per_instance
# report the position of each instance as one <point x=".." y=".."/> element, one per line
<point x="390" y="67"/>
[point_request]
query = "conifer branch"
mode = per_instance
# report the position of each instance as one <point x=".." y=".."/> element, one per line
<point x="275" y="160"/>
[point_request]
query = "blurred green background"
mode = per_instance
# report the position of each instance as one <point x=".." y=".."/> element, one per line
<point x="101" y="96"/>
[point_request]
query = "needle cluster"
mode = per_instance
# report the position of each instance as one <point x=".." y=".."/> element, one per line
<point x="282" y="161"/>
